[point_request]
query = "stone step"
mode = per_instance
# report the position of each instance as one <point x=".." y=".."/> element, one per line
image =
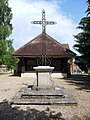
<point x="43" y="97"/>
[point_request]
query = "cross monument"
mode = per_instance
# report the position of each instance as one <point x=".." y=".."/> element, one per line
<point x="43" y="22"/>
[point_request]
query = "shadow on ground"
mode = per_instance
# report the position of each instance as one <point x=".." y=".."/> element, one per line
<point x="7" y="112"/>
<point x="81" y="81"/>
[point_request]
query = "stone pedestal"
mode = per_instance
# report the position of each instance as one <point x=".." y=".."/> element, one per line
<point x="44" y="76"/>
<point x="44" y="92"/>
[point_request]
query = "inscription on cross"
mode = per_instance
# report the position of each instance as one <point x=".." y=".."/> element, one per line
<point x="44" y="23"/>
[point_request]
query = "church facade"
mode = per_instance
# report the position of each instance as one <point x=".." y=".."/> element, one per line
<point x="57" y="55"/>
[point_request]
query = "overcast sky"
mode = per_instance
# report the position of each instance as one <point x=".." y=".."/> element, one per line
<point x="67" y="14"/>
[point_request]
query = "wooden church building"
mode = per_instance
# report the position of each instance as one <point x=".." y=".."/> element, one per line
<point x="29" y="55"/>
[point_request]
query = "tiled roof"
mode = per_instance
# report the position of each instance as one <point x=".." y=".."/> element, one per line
<point x="66" y="46"/>
<point x="34" y="47"/>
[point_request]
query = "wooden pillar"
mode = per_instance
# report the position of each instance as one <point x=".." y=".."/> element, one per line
<point x="64" y="65"/>
<point x="68" y="69"/>
<point x="22" y="65"/>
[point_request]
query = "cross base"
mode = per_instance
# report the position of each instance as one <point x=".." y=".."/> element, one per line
<point x="44" y="76"/>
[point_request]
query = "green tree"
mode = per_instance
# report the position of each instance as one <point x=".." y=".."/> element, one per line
<point x="6" y="47"/>
<point x="9" y="59"/>
<point x="2" y="51"/>
<point x="5" y="20"/>
<point x="5" y="28"/>
<point x="83" y="41"/>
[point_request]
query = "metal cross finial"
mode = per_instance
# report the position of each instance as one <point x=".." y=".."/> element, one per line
<point x="44" y="23"/>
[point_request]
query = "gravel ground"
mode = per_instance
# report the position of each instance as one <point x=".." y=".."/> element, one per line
<point x="78" y="87"/>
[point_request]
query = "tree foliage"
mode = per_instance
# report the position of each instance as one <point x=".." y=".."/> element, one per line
<point x="10" y="60"/>
<point x="6" y="47"/>
<point x="5" y="19"/>
<point x="83" y="41"/>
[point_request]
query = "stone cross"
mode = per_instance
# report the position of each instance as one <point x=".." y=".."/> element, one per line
<point x="43" y="22"/>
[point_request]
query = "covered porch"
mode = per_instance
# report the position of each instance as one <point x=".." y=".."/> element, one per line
<point x="26" y="64"/>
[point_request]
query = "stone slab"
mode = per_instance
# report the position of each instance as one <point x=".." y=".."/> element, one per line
<point x="43" y="69"/>
<point x="26" y="96"/>
<point x="53" y="75"/>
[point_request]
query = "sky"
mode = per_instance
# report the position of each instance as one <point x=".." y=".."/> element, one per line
<point x="67" y="14"/>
